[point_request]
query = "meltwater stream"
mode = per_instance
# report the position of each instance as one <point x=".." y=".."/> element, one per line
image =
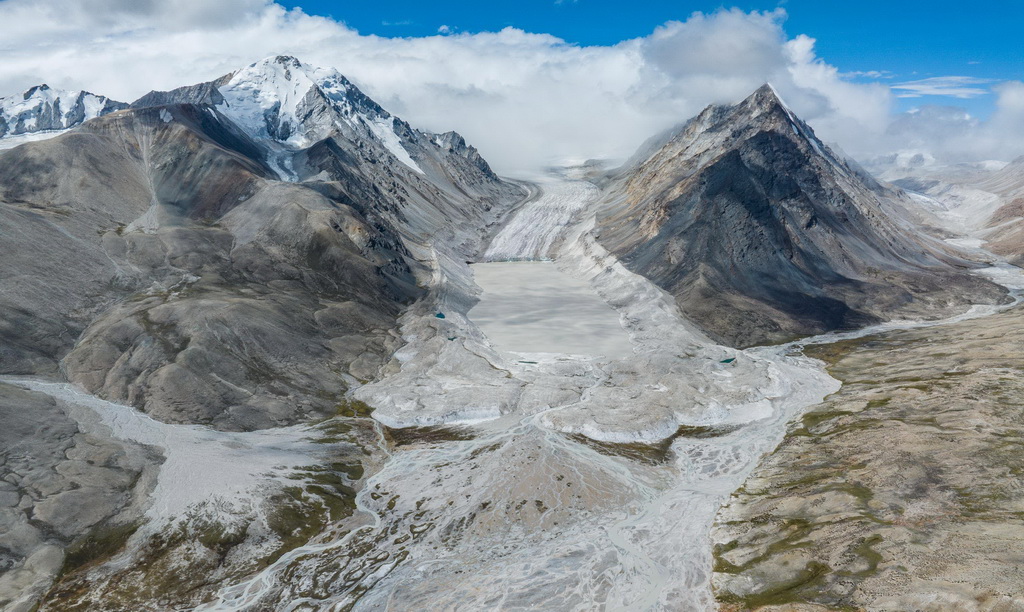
<point x="502" y="504"/>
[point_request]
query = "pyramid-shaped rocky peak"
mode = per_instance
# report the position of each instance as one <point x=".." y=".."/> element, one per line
<point x="766" y="108"/>
<point x="719" y="128"/>
<point x="762" y="233"/>
<point x="764" y="97"/>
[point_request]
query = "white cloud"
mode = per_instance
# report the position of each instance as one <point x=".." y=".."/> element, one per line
<point x="954" y="86"/>
<point x="524" y="99"/>
<point x="868" y="74"/>
<point x="951" y="134"/>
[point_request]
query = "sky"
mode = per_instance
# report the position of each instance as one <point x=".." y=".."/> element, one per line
<point x="537" y="82"/>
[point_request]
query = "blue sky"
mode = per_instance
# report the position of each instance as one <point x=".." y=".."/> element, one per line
<point x="905" y="40"/>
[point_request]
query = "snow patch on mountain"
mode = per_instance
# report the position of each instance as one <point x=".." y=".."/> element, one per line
<point x="383" y="129"/>
<point x="275" y="98"/>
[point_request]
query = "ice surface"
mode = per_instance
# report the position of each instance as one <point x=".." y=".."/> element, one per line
<point x="532" y="307"/>
<point x="9" y="142"/>
<point x="530" y="234"/>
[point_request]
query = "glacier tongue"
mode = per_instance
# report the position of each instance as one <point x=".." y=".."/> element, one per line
<point x="520" y="509"/>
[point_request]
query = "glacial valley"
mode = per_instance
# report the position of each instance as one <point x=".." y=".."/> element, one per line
<point x="266" y="346"/>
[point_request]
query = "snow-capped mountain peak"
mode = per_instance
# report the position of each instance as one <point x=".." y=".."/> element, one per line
<point x="296" y="104"/>
<point x="292" y="102"/>
<point x="43" y="108"/>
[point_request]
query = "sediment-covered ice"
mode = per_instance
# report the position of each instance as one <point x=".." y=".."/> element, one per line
<point x="524" y="513"/>
<point x="533" y="307"/>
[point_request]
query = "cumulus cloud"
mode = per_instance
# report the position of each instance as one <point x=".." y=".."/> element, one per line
<point x="524" y="99"/>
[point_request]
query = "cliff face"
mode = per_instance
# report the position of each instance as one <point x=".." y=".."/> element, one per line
<point x="763" y="234"/>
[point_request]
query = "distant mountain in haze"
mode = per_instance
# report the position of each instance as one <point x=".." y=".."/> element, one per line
<point x="43" y="109"/>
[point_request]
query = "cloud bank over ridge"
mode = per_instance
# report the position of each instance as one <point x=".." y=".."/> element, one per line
<point x="523" y="99"/>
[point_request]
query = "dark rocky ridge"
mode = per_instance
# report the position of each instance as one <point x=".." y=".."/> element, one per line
<point x="763" y="234"/>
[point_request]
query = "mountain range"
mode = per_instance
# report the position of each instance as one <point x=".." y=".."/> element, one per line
<point x="43" y="109"/>
<point x="241" y="254"/>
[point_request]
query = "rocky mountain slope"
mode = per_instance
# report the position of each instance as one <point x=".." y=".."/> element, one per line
<point x="762" y="233"/>
<point x="232" y="258"/>
<point x="44" y="109"/>
<point x="234" y="254"/>
<point x="983" y="199"/>
<point x="1005" y="228"/>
